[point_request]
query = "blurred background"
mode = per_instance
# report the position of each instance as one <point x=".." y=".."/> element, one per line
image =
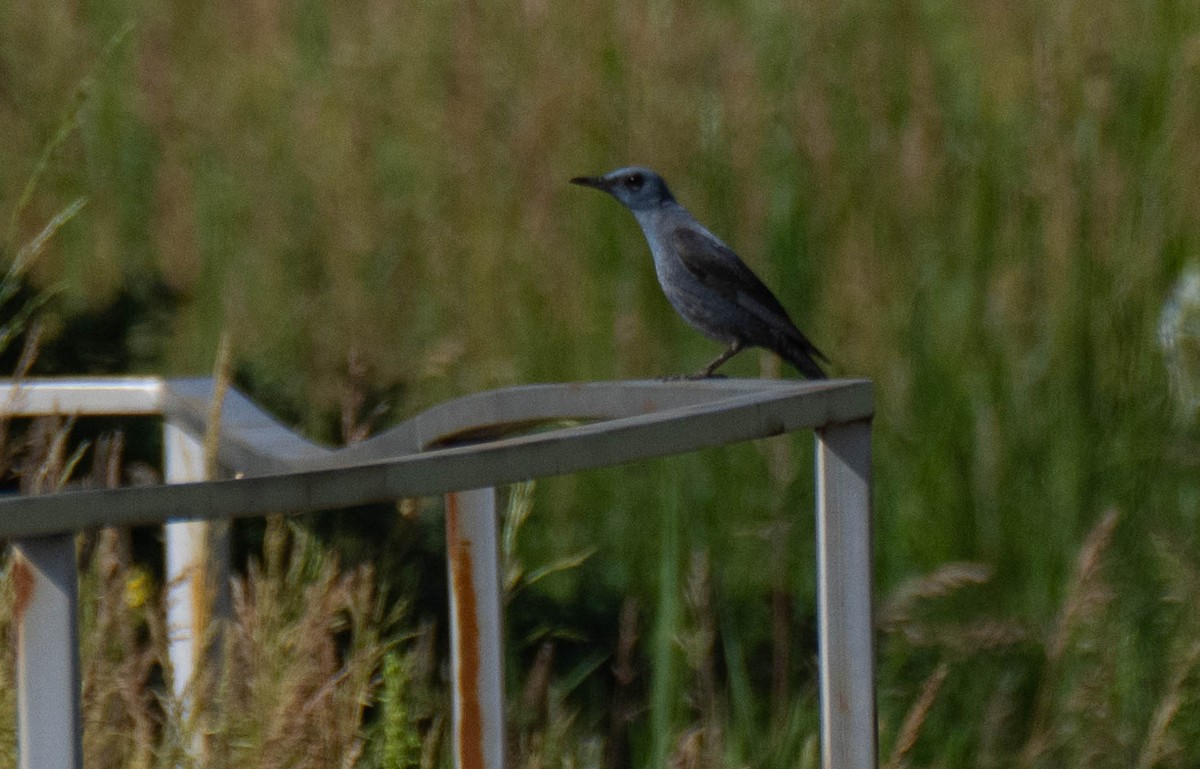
<point x="990" y="208"/>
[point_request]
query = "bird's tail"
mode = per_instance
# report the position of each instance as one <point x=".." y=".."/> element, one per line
<point x="803" y="355"/>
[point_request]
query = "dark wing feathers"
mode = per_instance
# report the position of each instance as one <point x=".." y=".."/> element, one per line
<point x="718" y="267"/>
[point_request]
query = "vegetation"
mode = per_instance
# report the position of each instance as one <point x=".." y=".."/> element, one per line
<point x="990" y="209"/>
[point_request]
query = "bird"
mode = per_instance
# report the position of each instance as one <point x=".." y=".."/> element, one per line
<point x="703" y="279"/>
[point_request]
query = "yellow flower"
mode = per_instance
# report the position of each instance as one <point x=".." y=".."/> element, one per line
<point x="138" y="588"/>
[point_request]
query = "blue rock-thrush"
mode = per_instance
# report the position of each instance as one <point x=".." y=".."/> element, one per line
<point x="704" y="280"/>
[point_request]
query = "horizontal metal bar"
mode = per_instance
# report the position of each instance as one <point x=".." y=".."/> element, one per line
<point x="250" y="439"/>
<point x="253" y="442"/>
<point x="490" y="414"/>
<point x="86" y="396"/>
<point x="346" y="480"/>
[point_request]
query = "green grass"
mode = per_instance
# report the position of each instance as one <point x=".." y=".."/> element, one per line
<point x="983" y="207"/>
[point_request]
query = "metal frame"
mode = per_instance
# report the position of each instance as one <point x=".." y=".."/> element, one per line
<point x="463" y="449"/>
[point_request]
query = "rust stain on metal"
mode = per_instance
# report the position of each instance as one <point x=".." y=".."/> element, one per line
<point x="24" y="582"/>
<point x="470" y="728"/>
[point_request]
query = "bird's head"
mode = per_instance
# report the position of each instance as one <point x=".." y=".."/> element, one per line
<point x="640" y="189"/>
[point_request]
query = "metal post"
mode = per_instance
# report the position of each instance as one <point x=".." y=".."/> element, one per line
<point x="476" y="628"/>
<point x="48" y="687"/>
<point x="183" y="461"/>
<point x="846" y="630"/>
<point x="196" y="559"/>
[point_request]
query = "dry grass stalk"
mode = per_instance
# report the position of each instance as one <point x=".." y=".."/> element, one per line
<point x="624" y="708"/>
<point x="1159" y="745"/>
<point x="964" y="638"/>
<point x="532" y="716"/>
<point x="900" y="606"/>
<point x="1163" y="744"/>
<point x="357" y="421"/>
<point x="690" y="750"/>
<point x="1086" y="599"/>
<point x="123" y="638"/>
<point x="222" y="373"/>
<point x="121" y="653"/>
<point x="903" y="614"/>
<point x="700" y="648"/>
<point x="301" y="654"/>
<point x="29" y="353"/>
<point x="45" y="466"/>
<point x="997" y="733"/>
<point x="1087" y="591"/>
<point x="910" y="730"/>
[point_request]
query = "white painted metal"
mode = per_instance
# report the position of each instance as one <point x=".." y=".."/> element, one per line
<point x="129" y="396"/>
<point x="742" y="415"/>
<point x="845" y="628"/>
<point x="250" y="440"/>
<point x="476" y="628"/>
<point x="48" y="687"/>
<point x="461" y="445"/>
<point x="186" y="549"/>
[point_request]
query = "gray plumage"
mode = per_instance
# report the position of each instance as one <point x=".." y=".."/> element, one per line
<point x="704" y="280"/>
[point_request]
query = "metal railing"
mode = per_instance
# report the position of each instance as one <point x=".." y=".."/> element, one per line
<point x="463" y="449"/>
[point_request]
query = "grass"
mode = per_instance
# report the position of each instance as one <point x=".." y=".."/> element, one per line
<point x="982" y="207"/>
<point x="318" y="665"/>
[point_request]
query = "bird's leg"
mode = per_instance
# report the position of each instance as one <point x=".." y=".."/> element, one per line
<point x="708" y="370"/>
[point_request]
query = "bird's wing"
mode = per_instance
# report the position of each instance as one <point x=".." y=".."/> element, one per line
<point x="716" y="265"/>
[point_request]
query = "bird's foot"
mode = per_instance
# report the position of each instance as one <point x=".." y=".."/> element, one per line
<point x="698" y="376"/>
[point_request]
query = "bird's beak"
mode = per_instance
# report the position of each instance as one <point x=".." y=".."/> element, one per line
<point x="591" y="181"/>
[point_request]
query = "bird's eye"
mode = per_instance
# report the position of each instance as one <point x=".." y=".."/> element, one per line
<point x="634" y="181"/>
